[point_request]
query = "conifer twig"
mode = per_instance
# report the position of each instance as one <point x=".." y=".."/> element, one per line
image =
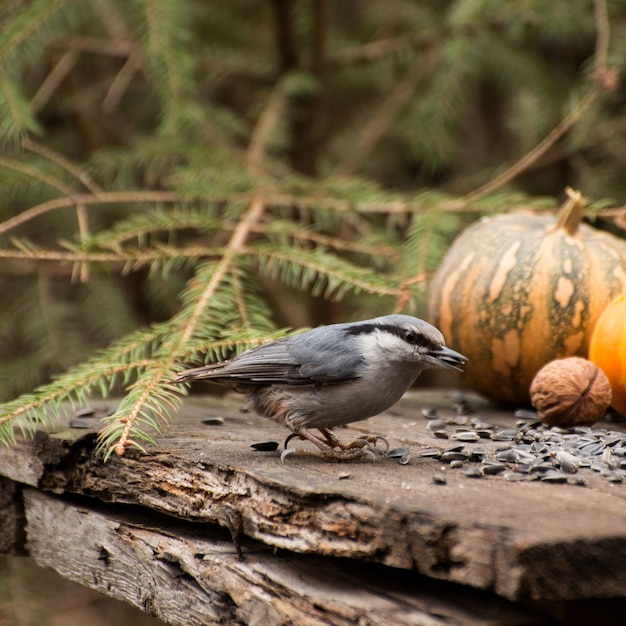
<point x="176" y="346"/>
<point x="110" y="197"/>
<point x="605" y="78"/>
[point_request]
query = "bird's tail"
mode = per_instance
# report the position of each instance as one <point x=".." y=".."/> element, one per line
<point x="205" y="372"/>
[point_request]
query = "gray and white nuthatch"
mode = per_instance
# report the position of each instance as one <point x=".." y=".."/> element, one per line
<point x="334" y="375"/>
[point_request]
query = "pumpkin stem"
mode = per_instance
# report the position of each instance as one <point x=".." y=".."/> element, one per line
<point x="571" y="213"/>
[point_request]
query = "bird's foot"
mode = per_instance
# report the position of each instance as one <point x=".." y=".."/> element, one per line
<point x="330" y="447"/>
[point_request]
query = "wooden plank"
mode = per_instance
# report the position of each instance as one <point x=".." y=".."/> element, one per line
<point x="520" y="540"/>
<point x="189" y="574"/>
<point x="11" y="518"/>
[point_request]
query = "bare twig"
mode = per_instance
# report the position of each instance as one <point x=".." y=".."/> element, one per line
<point x="262" y="132"/>
<point x="63" y="162"/>
<point x="35" y="174"/>
<point x="538" y="151"/>
<point x="122" y="81"/>
<point x="52" y="81"/>
<point x="605" y="78"/>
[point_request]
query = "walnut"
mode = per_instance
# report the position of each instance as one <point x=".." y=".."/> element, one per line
<point x="570" y="392"/>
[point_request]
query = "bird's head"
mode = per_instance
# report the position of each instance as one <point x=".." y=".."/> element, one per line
<point x="405" y="339"/>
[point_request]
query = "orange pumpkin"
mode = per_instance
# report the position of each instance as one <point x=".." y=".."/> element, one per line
<point x="517" y="290"/>
<point x="608" y="349"/>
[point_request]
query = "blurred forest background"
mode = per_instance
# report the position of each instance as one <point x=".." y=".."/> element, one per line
<point x="183" y="178"/>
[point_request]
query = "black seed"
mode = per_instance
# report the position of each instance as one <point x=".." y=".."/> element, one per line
<point x="439" y="479"/>
<point x="429" y="412"/>
<point x="75" y="423"/>
<point x="397" y="453"/>
<point x="473" y="472"/>
<point x="478" y="454"/>
<point x="611" y="439"/>
<point x="484" y="433"/>
<point x="457" y="421"/>
<point x="466" y="436"/>
<point x="212" y="421"/>
<point x="85" y="412"/>
<point x="567" y="462"/>
<point x="441" y="434"/>
<point x="552" y="476"/>
<point x="514" y="477"/>
<point x="504" y="435"/>
<point x="448" y="457"/>
<point x="265" y="446"/>
<point x="435" y="425"/>
<point x="492" y="468"/>
<point x="430" y="453"/>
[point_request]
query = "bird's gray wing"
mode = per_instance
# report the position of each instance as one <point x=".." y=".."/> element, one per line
<point x="312" y="358"/>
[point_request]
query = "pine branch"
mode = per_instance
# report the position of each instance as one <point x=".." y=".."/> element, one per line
<point x="152" y="394"/>
<point x="318" y="272"/>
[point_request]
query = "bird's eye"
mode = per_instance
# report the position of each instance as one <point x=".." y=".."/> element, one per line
<point x="410" y="336"/>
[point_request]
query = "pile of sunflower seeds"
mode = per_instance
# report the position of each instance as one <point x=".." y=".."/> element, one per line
<point x="530" y="451"/>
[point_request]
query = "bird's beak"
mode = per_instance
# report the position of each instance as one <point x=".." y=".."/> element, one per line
<point x="447" y="358"/>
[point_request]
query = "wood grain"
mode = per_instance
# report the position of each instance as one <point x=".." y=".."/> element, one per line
<point x="525" y="541"/>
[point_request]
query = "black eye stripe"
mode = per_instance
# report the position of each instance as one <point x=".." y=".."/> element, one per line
<point x="419" y="339"/>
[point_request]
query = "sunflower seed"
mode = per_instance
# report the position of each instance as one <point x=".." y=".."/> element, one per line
<point x="76" y="423"/>
<point x="439" y="479"/>
<point x="212" y="421"/>
<point x="265" y="446"/>
<point x="473" y="472"/>
<point x="430" y="453"/>
<point x="492" y="468"/>
<point x="566" y="461"/>
<point x="466" y="436"/>
<point x="504" y="435"/>
<point x="398" y="453"/>
<point x="514" y="477"/>
<point x="448" y="457"/>
<point x="477" y="454"/>
<point x="553" y="476"/>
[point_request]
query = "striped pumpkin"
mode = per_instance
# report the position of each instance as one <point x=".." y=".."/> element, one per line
<point x="518" y="290"/>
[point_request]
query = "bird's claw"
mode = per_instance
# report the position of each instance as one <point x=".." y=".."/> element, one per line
<point x="331" y="447"/>
<point x="333" y="454"/>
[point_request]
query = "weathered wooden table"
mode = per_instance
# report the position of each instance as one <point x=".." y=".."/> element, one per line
<point x="322" y="542"/>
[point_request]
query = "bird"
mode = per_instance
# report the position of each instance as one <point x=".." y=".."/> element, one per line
<point x="333" y="375"/>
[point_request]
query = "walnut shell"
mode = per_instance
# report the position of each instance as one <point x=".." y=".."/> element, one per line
<point x="570" y="392"/>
